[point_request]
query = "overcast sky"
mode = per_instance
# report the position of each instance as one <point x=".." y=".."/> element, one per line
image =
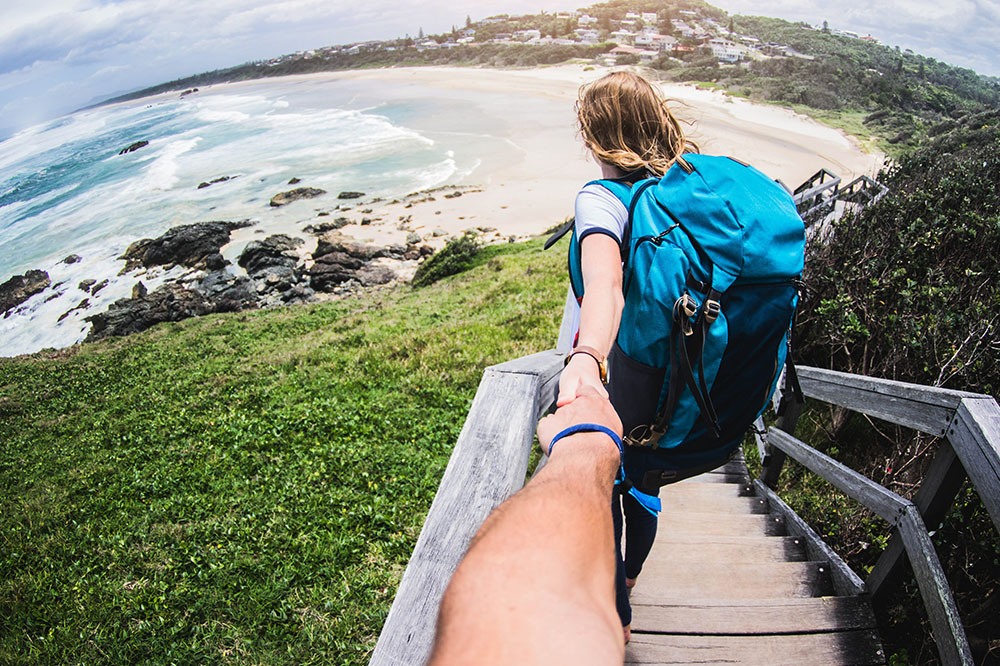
<point x="58" y="55"/>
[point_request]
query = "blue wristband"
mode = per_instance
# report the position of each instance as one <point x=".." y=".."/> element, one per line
<point x="588" y="427"/>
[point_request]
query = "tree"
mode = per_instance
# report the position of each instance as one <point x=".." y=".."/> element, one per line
<point x="826" y="26"/>
<point x="730" y="26"/>
<point x="468" y="21"/>
<point x="420" y="33"/>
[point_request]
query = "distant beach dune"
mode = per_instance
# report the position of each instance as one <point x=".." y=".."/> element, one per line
<point x="526" y="196"/>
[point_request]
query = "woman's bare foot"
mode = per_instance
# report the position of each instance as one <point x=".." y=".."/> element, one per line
<point x="627" y="630"/>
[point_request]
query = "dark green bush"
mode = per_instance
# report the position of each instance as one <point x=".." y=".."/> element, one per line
<point x="457" y="256"/>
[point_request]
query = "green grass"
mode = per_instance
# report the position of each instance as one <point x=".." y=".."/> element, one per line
<point x="245" y="488"/>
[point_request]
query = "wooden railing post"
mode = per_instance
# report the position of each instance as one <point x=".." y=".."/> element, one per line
<point x="935" y="496"/>
<point x="487" y="465"/>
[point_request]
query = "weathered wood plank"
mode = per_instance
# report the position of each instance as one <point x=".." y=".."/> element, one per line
<point x="975" y="436"/>
<point x="845" y="581"/>
<point x="487" y="465"/>
<point x="885" y="503"/>
<point x="949" y="635"/>
<point x="662" y="581"/>
<point x="924" y="408"/>
<point x="674" y="523"/>
<point x="707" y="503"/>
<point x="858" y="648"/>
<point x="933" y="499"/>
<point x="755" y="617"/>
<point x="682" y="549"/>
<point x="567" y="331"/>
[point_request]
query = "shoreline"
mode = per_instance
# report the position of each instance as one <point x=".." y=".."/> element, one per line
<point x="529" y="165"/>
<point x="523" y="199"/>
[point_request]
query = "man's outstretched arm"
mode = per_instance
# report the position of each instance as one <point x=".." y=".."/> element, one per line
<point x="537" y="585"/>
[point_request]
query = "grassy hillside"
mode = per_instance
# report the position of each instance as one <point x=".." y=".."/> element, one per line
<point x="245" y="488"/>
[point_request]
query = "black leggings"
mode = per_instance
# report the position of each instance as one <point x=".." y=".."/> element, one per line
<point x="640" y="531"/>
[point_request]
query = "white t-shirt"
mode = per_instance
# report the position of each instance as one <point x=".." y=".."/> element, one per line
<point x="597" y="210"/>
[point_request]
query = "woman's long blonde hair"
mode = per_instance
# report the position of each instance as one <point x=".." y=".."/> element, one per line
<point x="625" y="122"/>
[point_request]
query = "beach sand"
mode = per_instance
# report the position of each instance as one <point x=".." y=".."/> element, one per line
<point x="524" y="197"/>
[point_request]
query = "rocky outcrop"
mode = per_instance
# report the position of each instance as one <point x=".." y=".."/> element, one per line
<point x="187" y="245"/>
<point x="350" y="195"/>
<point x="339" y="260"/>
<point x="283" y="198"/>
<point x="71" y="259"/>
<point x="131" y="148"/>
<point x="20" y="288"/>
<point x="170" y="302"/>
<point x="209" y="183"/>
<point x="272" y="262"/>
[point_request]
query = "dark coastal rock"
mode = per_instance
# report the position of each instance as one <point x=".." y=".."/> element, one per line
<point x="139" y="290"/>
<point x="189" y="91"/>
<point x="325" y="227"/>
<point x="414" y="252"/>
<point x="272" y="252"/>
<point x="214" y="262"/>
<point x="413" y="238"/>
<point x="294" y="181"/>
<point x="335" y="242"/>
<point x="229" y="292"/>
<point x="350" y="195"/>
<point x="209" y="183"/>
<point x="85" y="285"/>
<point x="283" y="198"/>
<point x="170" y="302"/>
<point x="187" y="245"/>
<point x="82" y="305"/>
<point x="71" y="259"/>
<point x="20" y="288"/>
<point x="133" y="147"/>
<point x="370" y="276"/>
<point x="97" y="287"/>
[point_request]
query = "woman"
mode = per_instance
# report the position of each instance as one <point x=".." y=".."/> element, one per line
<point x="627" y="127"/>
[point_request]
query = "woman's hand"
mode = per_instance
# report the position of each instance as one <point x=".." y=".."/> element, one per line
<point x="582" y="374"/>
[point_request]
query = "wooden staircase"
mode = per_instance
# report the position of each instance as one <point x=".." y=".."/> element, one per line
<point x="725" y="583"/>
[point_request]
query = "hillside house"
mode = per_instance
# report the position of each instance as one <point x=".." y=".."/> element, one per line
<point x="526" y="35"/>
<point x="586" y="20"/>
<point x="682" y="28"/>
<point x="623" y="37"/>
<point x="727" y="51"/>
<point x="648" y="17"/>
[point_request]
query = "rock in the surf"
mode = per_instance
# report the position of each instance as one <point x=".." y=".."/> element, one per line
<point x="133" y="147"/>
<point x="283" y="198"/>
<point x="20" y="288"/>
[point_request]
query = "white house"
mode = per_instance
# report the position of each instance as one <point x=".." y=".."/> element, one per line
<point x="683" y="28"/>
<point x="526" y="35"/>
<point x="586" y="20"/>
<point x="648" y="17"/>
<point x="727" y="51"/>
<point x="624" y="37"/>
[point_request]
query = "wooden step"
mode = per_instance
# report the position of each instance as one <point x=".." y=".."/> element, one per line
<point x="693" y="488"/>
<point x="755" y="617"/>
<point x="709" y="503"/>
<point x="690" y="523"/>
<point x="824" y="649"/>
<point x="663" y="581"/>
<point x="746" y="549"/>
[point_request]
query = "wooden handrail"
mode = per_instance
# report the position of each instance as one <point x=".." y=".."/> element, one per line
<point x="970" y="424"/>
<point x="487" y="466"/>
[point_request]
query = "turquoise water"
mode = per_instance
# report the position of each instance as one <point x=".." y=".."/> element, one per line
<point x="64" y="189"/>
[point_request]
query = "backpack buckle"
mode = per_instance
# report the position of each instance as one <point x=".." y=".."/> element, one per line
<point x="644" y="436"/>
<point x="712" y="310"/>
<point x="684" y="309"/>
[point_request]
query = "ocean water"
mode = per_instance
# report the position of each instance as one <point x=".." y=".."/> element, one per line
<point x="64" y="189"/>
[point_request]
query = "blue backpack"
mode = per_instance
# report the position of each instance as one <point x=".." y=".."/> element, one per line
<point x="712" y="257"/>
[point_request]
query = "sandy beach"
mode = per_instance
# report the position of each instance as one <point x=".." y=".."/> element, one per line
<point x="523" y="197"/>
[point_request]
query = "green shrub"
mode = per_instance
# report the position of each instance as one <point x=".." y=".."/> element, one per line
<point x="455" y="257"/>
